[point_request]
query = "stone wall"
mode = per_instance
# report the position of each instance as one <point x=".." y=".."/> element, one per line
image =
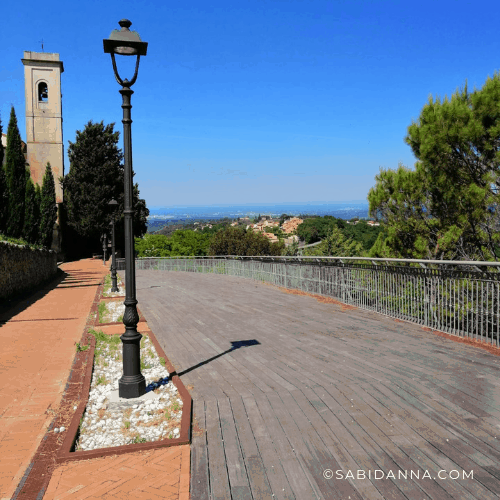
<point x="22" y="268"/>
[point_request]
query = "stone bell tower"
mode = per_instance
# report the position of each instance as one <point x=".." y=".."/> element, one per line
<point x="44" y="132"/>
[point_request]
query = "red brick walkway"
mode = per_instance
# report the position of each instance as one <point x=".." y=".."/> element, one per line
<point x="33" y="375"/>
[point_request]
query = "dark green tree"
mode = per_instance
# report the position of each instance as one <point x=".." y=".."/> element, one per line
<point x="315" y="229"/>
<point x="48" y="208"/>
<point x="15" y="169"/>
<point x="182" y="242"/>
<point x="1" y="145"/>
<point x="96" y="175"/>
<point x="448" y="207"/>
<point x="4" y="191"/>
<point x="38" y="206"/>
<point x="336" y="244"/>
<point x="31" y="229"/>
<point x="238" y="241"/>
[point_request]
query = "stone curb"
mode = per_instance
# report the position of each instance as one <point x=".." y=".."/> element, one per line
<point x="66" y="454"/>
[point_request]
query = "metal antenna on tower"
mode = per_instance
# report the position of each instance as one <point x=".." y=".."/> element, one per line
<point x="41" y="41"/>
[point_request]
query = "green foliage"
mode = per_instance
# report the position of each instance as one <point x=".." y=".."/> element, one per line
<point x="448" y="207"/>
<point x="48" y="208"/>
<point x="1" y="145"/>
<point x="361" y="232"/>
<point x="19" y="241"/>
<point x="291" y="250"/>
<point x="4" y="191"/>
<point x="315" y="229"/>
<point x="102" y="311"/>
<point x="238" y="241"/>
<point x="32" y="217"/>
<point x="80" y="348"/>
<point x="15" y="169"/>
<point x="144" y="364"/>
<point x="182" y="242"/>
<point x="4" y="201"/>
<point x="96" y="175"/>
<point x="336" y="244"/>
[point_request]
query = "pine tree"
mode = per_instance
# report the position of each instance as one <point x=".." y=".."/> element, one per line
<point x="48" y="208"/>
<point x="31" y="213"/>
<point x="449" y="206"/>
<point x="16" y="181"/>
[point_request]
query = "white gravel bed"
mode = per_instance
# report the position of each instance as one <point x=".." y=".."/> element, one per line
<point x="151" y="420"/>
<point x="121" y="288"/>
<point x="115" y="310"/>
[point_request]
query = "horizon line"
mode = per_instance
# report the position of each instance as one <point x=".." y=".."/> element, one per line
<point x="263" y="204"/>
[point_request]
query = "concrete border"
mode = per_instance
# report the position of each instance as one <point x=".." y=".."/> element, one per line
<point x="65" y="454"/>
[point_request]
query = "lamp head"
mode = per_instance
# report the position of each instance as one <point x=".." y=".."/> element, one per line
<point x="125" y="42"/>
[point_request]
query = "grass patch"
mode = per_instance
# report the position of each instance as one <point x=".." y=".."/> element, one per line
<point x="101" y="380"/>
<point x="127" y="424"/>
<point x="176" y="406"/>
<point x="163" y="362"/>
<point x="102" y="312"/>
<point x="80" y="348"/>
<point x="104" y="342"/>
<point x="138" y="440"/>
<point x="144" y="366"/>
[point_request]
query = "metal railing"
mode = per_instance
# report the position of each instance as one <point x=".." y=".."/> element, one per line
<point x="457" y="297"/>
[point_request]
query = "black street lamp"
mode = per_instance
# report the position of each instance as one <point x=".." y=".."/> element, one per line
<point x="113" y="204"/>
<point x="132" y="384"/>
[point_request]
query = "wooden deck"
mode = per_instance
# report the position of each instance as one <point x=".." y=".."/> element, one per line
<point x="310" y="389"/>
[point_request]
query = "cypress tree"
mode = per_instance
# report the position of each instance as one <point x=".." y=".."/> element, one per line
<point x="1" y="145"/>
<point x="16" y="179"/>
<point x="48" y="208"/>
<point x="31" y="219"/>
<point x="4" y="191"/>
<point x="38" y="214"/>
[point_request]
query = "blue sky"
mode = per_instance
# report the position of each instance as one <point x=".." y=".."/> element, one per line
<point x="257" y="102"/>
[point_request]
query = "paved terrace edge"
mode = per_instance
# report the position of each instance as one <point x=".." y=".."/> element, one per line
<point x="51" y="453"/>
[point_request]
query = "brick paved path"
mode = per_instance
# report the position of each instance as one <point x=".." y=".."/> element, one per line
<point x="38" y="339"/>
<point x="33" y="373"/>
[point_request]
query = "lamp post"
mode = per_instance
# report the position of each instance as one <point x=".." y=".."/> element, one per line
<point x="132" y="384"/>
<point x="104" y="246"/>
<point x="113" y="204"/>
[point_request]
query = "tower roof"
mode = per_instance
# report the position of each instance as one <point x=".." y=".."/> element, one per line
<point x="42" y="57"/>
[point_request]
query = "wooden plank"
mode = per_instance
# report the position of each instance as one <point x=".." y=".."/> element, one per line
<point x="236" y="468"/>
<point x="351" y="388"/>
<point x="311" y="451"/>
<point x="280" y="483"/>
<point x="219" y="480"/>
<point x="448" y="457"/>
<point x="199" y="484"/>
<point x="257" y="476"/>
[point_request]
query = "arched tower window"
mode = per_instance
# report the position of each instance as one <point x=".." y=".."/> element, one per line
<point x="43" y="92"/>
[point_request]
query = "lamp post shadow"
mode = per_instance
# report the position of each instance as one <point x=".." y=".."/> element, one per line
<point x="237" y="344"/>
